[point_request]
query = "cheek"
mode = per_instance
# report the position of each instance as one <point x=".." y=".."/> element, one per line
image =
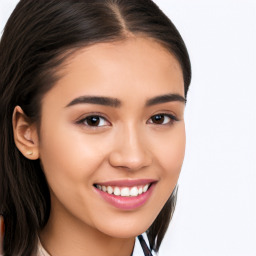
<point x="172" y="149"/>
<point x="169" y="151"/>
<point x="68" y="160"/>
<point x="69" y="163"/>
<point x="171" y="157"/>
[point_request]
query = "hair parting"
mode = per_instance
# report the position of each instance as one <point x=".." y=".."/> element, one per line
<point x="46" y="33"/>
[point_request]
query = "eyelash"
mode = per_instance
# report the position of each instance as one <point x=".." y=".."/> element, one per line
<point x="99" y="118"/>
<point x="171" y="117"/>
<point x="85" y="120"/>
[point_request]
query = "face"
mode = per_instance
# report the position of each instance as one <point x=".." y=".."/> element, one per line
<point x="112" y="136"/>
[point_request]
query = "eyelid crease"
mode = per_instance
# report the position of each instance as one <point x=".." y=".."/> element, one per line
<point x="167" y="113"/>
<point x="91" y="114"/>
<point x="82" y="119"/>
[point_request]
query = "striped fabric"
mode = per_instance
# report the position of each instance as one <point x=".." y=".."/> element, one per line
<point x="146" y="250"/>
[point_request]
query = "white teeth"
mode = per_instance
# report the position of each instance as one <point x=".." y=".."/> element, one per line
<point x="117" y="191"/>
<point x="145" y="188"/>
<point x="110" y="190"/>
<point x="124" y="191"/>
<point x="134" y="191"/>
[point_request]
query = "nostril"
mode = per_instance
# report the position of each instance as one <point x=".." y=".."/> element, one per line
<point x="131" y="161"/>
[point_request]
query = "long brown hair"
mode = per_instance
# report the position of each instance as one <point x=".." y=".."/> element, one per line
<point x="38" y="37"/>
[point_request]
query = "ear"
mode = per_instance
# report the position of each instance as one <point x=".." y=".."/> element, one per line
<point x="25" y="134"/>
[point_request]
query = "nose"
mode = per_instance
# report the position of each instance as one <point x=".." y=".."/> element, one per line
<point x="130" y="151"/>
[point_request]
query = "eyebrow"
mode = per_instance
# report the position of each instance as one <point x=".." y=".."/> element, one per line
<point x="98" y="100"/>
<point x="165" y="98"/>
<point x="116" y="103"/>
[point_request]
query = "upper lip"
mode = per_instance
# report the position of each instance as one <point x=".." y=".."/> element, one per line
<point x="127" y="183"/>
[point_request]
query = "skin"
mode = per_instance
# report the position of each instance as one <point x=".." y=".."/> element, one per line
<point x="128" y="144"/>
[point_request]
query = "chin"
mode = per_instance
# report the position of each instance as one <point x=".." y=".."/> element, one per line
<point x="126" y="229"/>
<point x="124" y="232"/>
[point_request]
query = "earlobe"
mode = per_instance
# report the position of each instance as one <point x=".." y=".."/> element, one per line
<point x="25" y="134"/>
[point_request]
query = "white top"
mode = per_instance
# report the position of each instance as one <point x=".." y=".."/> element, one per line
<point x="136" y="252"/>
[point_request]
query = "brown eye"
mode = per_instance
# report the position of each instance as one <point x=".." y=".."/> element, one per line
<point x="94" y="121"/>
<point x="162" y="119"/>
<point x="158" y="119"/>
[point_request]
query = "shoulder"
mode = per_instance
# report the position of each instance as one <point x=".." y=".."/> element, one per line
<point x="41" y="251"/>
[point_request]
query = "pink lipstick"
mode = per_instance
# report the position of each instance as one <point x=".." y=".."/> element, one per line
<point x="126" y="194"/>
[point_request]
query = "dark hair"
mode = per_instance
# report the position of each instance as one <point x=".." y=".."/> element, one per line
<point x="38" y="37"/>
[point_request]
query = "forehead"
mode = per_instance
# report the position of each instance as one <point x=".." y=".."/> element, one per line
<point x="139" y="66"/>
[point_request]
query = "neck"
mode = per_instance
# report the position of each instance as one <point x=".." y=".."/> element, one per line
<point x="65" y="235"/>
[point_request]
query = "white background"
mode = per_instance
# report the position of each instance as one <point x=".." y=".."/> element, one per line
<point x="216" y="209"/>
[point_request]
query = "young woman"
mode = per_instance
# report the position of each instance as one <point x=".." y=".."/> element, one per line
<point x="92" y="96"/>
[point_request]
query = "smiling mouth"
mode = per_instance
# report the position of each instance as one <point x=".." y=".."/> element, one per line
<point x="124" y="191"/>
<point x="127" y="195"/>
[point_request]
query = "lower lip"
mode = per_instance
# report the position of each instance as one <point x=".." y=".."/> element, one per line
<point x="127" y="202"/>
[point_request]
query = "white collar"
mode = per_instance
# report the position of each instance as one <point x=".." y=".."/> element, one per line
<point x="136" y="252"/>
